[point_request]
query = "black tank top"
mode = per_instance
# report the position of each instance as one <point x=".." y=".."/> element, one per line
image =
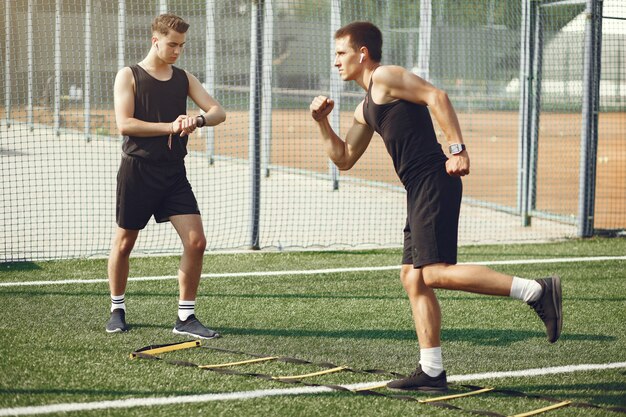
<point x="158" y="101"/>
<point x="409" y="136"/>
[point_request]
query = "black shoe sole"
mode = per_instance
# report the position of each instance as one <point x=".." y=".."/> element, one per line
<point x="557" y="301"/>
<point x="431" y="390"/>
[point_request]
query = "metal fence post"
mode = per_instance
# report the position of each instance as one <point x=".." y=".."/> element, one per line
<point x="423" y="58"/>
<point x="31" y="65"/>
<point x="589" y="136"/>
<point x="87" y="92"/>
<point x="7" y="63"/>
<point x="535" y="95"/>
<point x="121" y="32"/>
<point x="526" y="106"/>
<point x="335" y="85"/>
<point x="57" y="68"/>
<point x="209" y="72"/>
<point x="254" y="133"/>
<point x="266" y="110"/>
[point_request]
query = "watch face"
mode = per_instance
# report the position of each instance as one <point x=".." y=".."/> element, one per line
<point x="456" y="148"/>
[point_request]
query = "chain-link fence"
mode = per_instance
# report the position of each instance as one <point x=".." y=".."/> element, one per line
<point x="514" y="70"/>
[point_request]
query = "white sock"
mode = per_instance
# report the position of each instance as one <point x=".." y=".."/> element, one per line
<point x="431" y="361"/>
<point x="526" y="290"/>
<point x="117" y="301"/>
<point x="186" y="309"/>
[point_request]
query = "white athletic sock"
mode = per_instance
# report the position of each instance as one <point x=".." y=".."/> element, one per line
<point x="526" y="290"/>
<point x="186" y="309"/>
<point x="117" y="301"/>
<point x="431" y="361"/>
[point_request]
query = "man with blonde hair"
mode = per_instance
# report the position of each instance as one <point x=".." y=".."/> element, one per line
<point x="151" y="113"/>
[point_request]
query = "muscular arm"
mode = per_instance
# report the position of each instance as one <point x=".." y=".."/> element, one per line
<point x="213" y="113"/>
<point x="394" y="82"/>
<point x="124" y="102"/>
<point x="344" y="154"/>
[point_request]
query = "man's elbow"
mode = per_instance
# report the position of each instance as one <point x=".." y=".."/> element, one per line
<point x="439" y="98"/>
<point x="344" y="165"/>
<point x="218" y="116"/>
<point x="222" y="117"/>
<point x="123" y="128"/>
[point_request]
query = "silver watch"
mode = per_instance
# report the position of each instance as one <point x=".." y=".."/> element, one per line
<point x="457" y="148"/>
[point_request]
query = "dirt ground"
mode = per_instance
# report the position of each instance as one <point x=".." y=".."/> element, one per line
<point x="491" y="137"/>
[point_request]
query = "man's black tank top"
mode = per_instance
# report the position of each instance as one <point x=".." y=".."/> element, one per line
<point x="158" y="101"/>
<point x="409" y="136"/>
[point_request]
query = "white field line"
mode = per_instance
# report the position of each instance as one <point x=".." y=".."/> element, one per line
<point x="246" y="395"/>
<point x="311" y="271"/>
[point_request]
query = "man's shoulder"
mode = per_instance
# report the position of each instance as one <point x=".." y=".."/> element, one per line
<point x="385" y="73"/>
<point x="125" y="75"/>
<point x="125" y="70"/>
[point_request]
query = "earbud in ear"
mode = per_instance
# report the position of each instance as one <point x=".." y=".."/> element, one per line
<point x="362" y="58"/>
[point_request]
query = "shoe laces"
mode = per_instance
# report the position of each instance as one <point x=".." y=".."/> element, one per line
<point x="416" y="372"/>
<point x="538" y="307"/>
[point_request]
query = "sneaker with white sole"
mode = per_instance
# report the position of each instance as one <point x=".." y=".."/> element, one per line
<point x="421" y="381"/>
<point x="193" y="327"/>
<point x="549" y="306"/>
<point x="117" y="321"/>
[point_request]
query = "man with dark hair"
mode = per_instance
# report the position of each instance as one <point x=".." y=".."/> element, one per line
<point x="396" y="105"/>
<point x="151" y="113"/>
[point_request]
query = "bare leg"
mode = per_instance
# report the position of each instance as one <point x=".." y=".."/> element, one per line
<point x="429" y="375"/>
<point x="189" y="228"/>
<point x="419" y="284"/>
<point x="118" y="265"/>
<point x="191" y="232"/>
<point x="424" y="305"/>
<point x="469" y="278"/>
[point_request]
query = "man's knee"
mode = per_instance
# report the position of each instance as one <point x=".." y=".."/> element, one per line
<point x="123" y="245"/>
<point x="433" y="275"/>
<point x="410" y="278"/>
<point x="196" y="244"/>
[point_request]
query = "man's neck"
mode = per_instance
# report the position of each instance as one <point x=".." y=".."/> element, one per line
<point x="364" y="79"/>
<point x="156" y="67"/>
<point x="154" y="63"/>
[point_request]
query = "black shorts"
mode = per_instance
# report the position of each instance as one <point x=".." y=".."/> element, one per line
<point x="432" y="224"/>
<point x="145" y="189"/>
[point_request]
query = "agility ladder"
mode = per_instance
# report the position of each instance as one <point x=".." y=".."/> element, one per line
<point x="151" y="352"/>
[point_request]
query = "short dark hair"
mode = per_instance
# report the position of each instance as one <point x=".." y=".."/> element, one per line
<point x="363" y="34"/>
<point x="163" y="23"/>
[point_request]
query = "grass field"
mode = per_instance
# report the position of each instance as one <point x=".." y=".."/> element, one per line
<point x="54" y="348"/>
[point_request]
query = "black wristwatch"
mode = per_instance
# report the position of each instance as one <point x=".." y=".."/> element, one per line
<point x="200" y="121"/>
<point x="457" y="148"/>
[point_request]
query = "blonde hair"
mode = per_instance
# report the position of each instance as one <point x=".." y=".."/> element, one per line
<point x="163" y="23"/>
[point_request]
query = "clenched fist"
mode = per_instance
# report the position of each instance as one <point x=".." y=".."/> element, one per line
<point x="320" y="107"/>
<point x="458" y="165"/>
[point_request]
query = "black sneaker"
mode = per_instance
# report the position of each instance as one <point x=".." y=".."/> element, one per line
<point x="117" y="321"/>
<point x="420" y="381"/>
<point x="549" y="306"/>
<point x="193" y="327"/>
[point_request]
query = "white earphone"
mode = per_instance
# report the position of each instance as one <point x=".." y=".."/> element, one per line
<point x="362" y="57"/>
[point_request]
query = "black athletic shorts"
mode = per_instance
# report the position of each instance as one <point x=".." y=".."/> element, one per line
<point x="432" y="224"/>
<point x="145" y="189"/>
